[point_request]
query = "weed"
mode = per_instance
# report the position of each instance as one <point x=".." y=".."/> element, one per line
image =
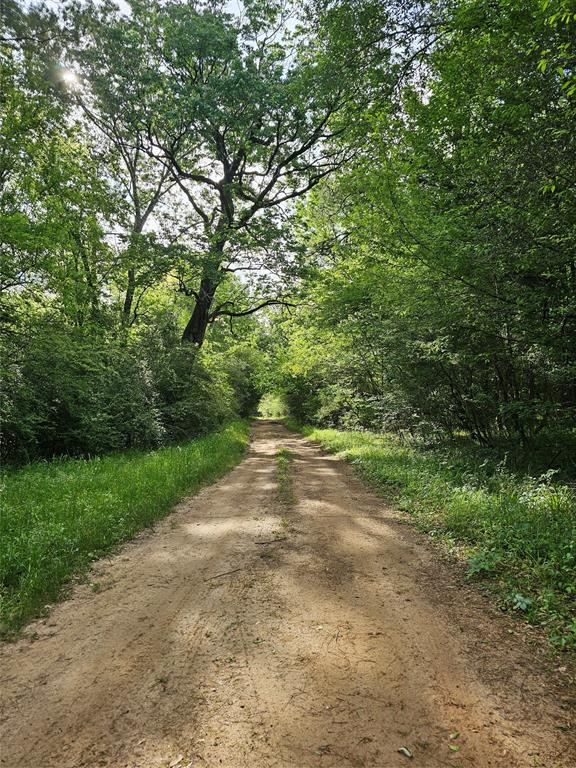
<point x="483" y="562"/>
<point x="284" y="459"/>
<point x="517" y="530"/>
<point x="57" y="517"/>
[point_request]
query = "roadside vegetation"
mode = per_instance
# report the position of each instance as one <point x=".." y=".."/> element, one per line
<point x="365" y="208"/>
<point x="436" y="341"/>
<point x="517" y="533"/>
<point x="284" y="459"/>
<point x="57" y="517"/>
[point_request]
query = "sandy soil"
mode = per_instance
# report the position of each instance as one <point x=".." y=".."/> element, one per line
<point x="338" y="645"/>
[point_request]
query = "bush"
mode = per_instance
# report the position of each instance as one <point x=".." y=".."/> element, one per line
<point x="243" y="370"/>
<point x="87" y="391"/>
<point x="193" y="397"/>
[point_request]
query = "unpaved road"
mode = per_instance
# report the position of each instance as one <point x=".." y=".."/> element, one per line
<point x="336" y="646"/>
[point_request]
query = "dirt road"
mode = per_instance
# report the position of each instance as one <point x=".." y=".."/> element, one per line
<point x="341" y="643"/>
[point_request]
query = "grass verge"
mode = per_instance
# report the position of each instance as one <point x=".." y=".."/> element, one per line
<point x="57" y="517"/>
<point x="517" y="533"/>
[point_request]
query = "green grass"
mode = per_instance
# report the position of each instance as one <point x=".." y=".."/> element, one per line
<point x="57" y="517"/>
<point x="518" y="533"/>
<point x="284" y="459"/>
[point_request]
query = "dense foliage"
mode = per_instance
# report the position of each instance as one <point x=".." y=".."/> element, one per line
<point x="120" y="240"/>
<point x="365" y="208"/>
<point x="440" y="306"/>
<point x="445" y="293"/>
<point x="149" y="164"/>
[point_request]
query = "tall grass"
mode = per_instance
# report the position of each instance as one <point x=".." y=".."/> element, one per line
<point x="516" y="532"/>
<point x="58" y="517"/>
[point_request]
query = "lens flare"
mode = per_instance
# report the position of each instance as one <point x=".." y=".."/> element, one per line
<point x="69" y="78"/>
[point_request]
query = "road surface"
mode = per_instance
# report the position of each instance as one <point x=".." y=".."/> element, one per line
<point x="247" y="632"/>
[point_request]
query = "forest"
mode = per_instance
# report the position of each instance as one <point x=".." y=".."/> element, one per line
<point x="288" y="383"/>
<point x="360" y="216"/>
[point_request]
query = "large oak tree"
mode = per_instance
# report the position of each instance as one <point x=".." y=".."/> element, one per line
<point x="239" y="112"/>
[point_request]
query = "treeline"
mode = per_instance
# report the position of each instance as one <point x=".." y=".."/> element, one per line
<point x="149" y="154"/>
<point x="90" y="390"/>
<point x="444" y="296"/>
<point x="392" y="184"/>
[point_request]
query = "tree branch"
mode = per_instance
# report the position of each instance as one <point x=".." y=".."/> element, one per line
<point x="244" y="313"/>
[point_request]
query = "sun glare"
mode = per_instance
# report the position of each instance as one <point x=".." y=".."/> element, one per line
<point x="69" y="78"/>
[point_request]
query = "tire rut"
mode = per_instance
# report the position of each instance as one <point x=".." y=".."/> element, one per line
<point x="343" y="643"/>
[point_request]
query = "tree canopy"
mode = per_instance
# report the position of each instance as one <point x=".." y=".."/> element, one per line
<point x="366" y="207"/>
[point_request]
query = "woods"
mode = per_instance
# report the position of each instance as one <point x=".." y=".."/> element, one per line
<point x="444" y="292"/>
<point x="362" y="212"/>
<point x="153" y="162"/>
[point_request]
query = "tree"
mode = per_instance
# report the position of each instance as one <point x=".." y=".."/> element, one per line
<point x="447" y="249"/>
<point x="75" y="378"/>
<point x="98" y="51"/>
<point x="241" y="117"/>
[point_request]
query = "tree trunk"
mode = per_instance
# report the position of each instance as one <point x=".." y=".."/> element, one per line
<point x="195" y="330"/>
<point x="129" y="297"/>
<point x="132" y="258"/>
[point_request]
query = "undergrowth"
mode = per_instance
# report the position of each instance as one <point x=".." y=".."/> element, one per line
<point x="517" y="532"/>
<point x="59" y="516"/>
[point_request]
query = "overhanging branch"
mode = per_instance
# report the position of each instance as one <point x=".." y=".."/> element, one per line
<point x="219" y="312"/>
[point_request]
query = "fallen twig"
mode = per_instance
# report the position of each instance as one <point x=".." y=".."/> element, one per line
<point x="271" y="541"/>
<point x="226" y="573"/>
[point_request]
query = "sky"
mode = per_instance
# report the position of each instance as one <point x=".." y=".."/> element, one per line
<point x="233" y="6"/>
